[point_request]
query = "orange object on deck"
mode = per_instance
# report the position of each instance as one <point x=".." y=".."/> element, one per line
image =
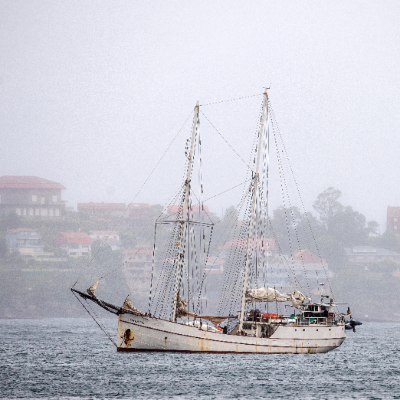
<point x="269" y="315"/>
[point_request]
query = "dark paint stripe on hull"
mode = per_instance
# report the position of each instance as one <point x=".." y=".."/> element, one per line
<point x="130" y="349"/>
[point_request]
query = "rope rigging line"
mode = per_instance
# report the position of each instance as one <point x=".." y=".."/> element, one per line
<point x="220" y="134"/>
<point x="94" y="319"/>
<point x="235" y="99"/>
<point x="137" y="193"/>
<point x="275" y="125"/>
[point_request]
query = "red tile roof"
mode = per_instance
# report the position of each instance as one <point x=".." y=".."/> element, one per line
<point x="73" y="238"/>
<point x="307" y="257"/>
<point x="28" y="182"/>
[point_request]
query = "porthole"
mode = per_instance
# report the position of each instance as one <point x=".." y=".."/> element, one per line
<point x="295" y="330"/>
<point x="329" y="328"/>
<point x="317" y="330"/>
<point x="303" y="330"/>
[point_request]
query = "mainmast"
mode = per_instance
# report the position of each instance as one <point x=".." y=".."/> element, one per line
<point x="264" y="117"/>
<point x="184" y="213"/>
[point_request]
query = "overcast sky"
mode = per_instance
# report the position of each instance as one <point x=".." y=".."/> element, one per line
<point x="92" y="93"/>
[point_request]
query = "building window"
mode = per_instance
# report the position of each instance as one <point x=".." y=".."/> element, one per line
<point x="24" y="211"/>
<point x="34" y="197"/>
<point x="57" y="212"/>
<point x="50" y="212"/>
<point x="395" y="219"/>
<point x="31" y="211"/>
<point x="42" y="200"/>
<point x="395" y="227"/>
<point x="55" y="198"/>
<point x="36" y="211"/>
<point x="18" y="211"/>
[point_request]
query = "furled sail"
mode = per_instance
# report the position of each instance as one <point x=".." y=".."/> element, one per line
<point x="267" y="294"/>
<point x="181" y="308"/>
<point x="297" y="298"/>
<point x="129" y="306"/>
<point x="93" y="288"/>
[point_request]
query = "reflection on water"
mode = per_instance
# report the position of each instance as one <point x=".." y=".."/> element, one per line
<point x="72" y="358"/>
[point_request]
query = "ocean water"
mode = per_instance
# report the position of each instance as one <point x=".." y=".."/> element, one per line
<point x="72" y="358"/>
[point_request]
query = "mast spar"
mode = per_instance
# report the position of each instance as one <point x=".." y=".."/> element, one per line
<point x="264" y="117"/>
<point x="184" y="213"/>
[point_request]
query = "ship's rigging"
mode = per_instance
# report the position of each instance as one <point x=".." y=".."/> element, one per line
<point x="185" y="246"/>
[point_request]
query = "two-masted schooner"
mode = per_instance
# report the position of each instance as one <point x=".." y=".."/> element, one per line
<point x="314" y="327"/>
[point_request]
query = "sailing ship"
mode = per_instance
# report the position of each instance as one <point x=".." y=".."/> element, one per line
<point x="314" y="327"/>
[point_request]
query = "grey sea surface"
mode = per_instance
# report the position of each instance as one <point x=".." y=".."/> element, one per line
<point x="72" y="358"/>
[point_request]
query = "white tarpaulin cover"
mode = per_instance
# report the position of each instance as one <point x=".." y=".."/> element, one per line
<point x="270" y="294"/>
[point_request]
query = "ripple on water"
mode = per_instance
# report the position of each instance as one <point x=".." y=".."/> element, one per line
<point x="71" y="358"/>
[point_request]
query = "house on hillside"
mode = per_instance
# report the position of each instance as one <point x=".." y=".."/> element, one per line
<point x="265" y="244"/>
<point x="368" y="254"/>
<point x="138" y="261"/>
<point x="76" y="244"/>
<point x="111" y="238"/>
<point x="214" y="265"/>
<point x="31" y="197"/>
<point x="26" y="241"/>
<point x="393" y="220"/>
<point x="103" y="209"/>
<point x="308" y="264"/>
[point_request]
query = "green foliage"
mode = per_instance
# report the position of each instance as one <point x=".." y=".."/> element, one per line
<point x="370" y="290"/>
<point x="327" y="204"/>
<point x="3" y="248"/>
<point x="224" y="229"/>
<point x="387" y="240"/>
<point x="9" y="221"/>
<point x="344" y="227"/>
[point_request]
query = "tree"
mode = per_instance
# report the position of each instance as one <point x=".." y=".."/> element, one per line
<point x="348" y="227"/>
<point x="9" y="221"/>
<point x="327" y="204"/>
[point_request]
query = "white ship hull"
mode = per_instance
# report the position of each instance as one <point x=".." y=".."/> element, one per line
<point x="141" y="333"/>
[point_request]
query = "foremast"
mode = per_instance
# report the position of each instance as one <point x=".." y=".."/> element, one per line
<point x="185" y="207"/>
<point x="264" y="118"/>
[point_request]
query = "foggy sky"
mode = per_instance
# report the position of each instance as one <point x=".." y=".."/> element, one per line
<point x="92" y="93"/>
